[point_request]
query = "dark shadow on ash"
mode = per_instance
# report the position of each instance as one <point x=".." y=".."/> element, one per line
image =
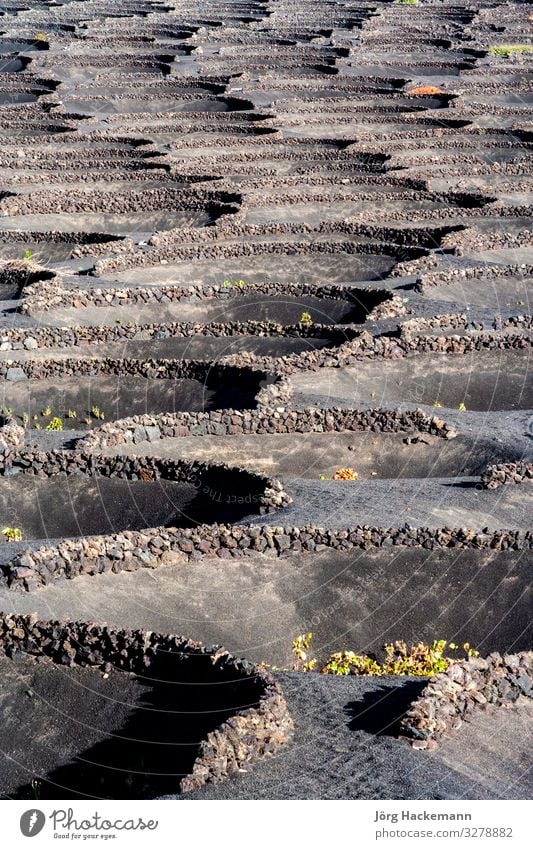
<point x="381" y="710"/>
<point x="465" y="484"/>
<point x="181" y="700"/>
<point x="15" y="276"/>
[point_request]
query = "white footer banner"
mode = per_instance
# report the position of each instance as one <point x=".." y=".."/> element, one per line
<point x="257" y="824"/>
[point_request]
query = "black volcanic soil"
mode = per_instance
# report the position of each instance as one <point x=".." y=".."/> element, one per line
<point x="280" y="142"/>
<point x="80" y="505"/>
<point x="289" y="309"/>
<point x="371" y="455"/>
<point x="76" y="505"/>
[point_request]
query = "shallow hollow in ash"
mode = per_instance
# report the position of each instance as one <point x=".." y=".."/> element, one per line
<point x="143" y="728"/>
<point x="66" y="494"/>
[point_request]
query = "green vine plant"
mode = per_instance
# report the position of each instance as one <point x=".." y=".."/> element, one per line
<point x="27" y="255"/>
<point x="55" y="424"/>
<point x="306" y="318"/>
<point x="97" y="413"/>
<point x="507" y="50"/>
<point x="300" y="649"/>
<point x="419" y="659"/>
<point x="12" y="534"/>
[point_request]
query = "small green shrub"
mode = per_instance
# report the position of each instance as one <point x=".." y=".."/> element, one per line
<point x="350" y="663"/>
<point x="55" y="424"/>
<point x="507" y="50"/>
<point x="12" y="534"/>
<point x="306" y="318"/>
<point x="27" y="255"/>
<point x="419" y="659"/>
<point x="97" y="413"/>
<point x="300" y="649"/>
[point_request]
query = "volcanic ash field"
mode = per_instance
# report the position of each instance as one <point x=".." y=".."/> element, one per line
<point x="264" y="372"/>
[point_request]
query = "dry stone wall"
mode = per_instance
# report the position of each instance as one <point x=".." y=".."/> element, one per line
<point x="456" y="695"/>
<point x="52" y="294"/>
<point x="132" y="550"/>
<point x="503" y="474"/>
<point x="245" y="737"/>
<point x="12" y="438"/>
<point x="280" y="420"/>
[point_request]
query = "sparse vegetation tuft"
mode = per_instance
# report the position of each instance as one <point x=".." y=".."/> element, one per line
<point x="507" y="50"/>
<point x="55" y="424"/>
<point x="12" y="534"/>
<point x="420" y="659"/>
<point x="97" y="413"/>
<point x="300" y="650"/>
<point x="345" y="474"/>
<point x="350" y="663"/>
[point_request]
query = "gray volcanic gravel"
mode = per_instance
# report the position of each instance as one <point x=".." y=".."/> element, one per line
<point x="432" y="502"/>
